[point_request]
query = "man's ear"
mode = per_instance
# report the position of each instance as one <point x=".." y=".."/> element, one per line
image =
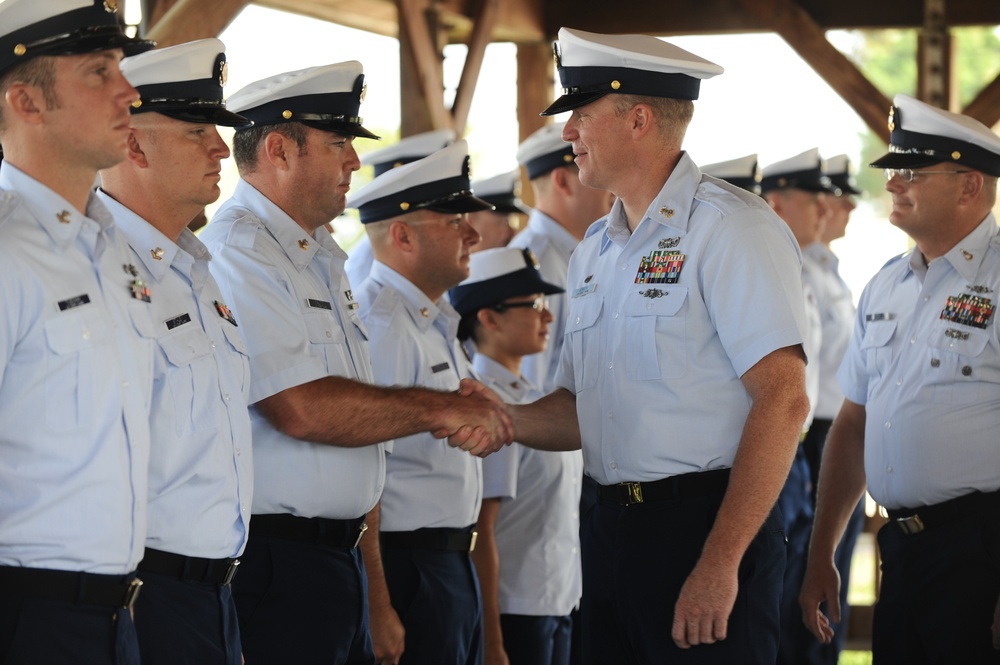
<point x="641" y="120"/>
<point x="276" y="146"/>
<point x="135" y="152"/>
<point x="25" y="101"/>
<point x="487" y="318"/>
<point x="972" y="185"/>
<point x="560" y="178"/>
<point x="402" y="235"/>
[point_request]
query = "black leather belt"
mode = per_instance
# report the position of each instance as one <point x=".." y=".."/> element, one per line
<point x="914" y="520"/>
<point x="455" y="540"/>
<point x="214" y="571"/>
<point x="70" y="586"/>
<point x="315" y="530"/>
<point x="668" y="489"/>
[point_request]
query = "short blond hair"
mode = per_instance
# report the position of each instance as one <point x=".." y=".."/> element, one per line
<point x="672" y="115"/>
<point x="40" y="72"/>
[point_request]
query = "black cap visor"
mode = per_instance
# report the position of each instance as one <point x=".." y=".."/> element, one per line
<point x="470" y="298"/>
<point x="572" y="101"/>
<point x="905" y="160"/>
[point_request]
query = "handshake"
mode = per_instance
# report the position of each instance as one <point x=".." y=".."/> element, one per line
<point x="477" y="420"/>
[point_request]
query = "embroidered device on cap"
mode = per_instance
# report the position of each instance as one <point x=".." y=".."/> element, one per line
<point x="923" y="135"/>
<point x="806" y="171"/>
<point x="183" y="82"/>
<point x="496" y="275"/>
<point x="841" y="174"/>
<point x="327" y="97"/>
<point x="592" y="65"/>
<point x="439" y="182"/>
<point x="32" y="28"/>
<point x="742" y="172"/>
<point x="544" y="151"/>
<point x="407" y="150"/>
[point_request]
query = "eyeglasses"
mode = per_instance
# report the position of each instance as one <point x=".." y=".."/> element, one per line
<point x="539" y="304"/>
<point x="909" y="175"/>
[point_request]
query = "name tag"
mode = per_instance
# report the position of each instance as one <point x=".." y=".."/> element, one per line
<point x="440" y="368"/>
<point x="881" y="316"/>
<point x="178" y="321"/>
<point x="319" y="304"/>
<point x="70" y="303"/>
<point x="584" y="290"/>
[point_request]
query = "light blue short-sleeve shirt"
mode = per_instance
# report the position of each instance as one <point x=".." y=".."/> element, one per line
<point x="836" y="306"/>
<point x="538" y="528"/>
<point x="201" y="464"/>
<point x="663" y="322"/>
<point x="413" y="343"/>
<point x="76" y="363"/>
<point x="925" y="363"/>
<point x="552" y="245"/>
<point x="299" y="319"/>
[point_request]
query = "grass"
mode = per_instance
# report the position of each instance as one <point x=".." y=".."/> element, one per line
<point x="855" y="658"/>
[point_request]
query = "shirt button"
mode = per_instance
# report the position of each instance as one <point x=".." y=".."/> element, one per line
<point x="329" y="334"/>
<point x="191" y="348"/>
<point x="913" y="340"/>
<point x="888" y="425"/>
<point x="86" y="334"/>
<point x="213" y="345"/>
<point x="624" y="266"/>
<point x="124" y="384"/>
<point x="935" y="362"/>
<point x="578" y="319"/>
<point x="611" y="414"/>
<point x="616" y="316"/>
<point x="613" y="465"/>
<point x="899" y="382"/>
<point x="226" y="397"/>
<point x="889" y="470"/>
<point x="611" y="365"/>
<point x="967" y="371"/>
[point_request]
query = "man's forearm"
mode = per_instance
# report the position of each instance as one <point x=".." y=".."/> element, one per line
<point x="549" y="423"/>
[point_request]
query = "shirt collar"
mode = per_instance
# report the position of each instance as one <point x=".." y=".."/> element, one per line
<point x="155" y="250"/>
<point x="822" y="255"/>
<point x="423" y="312"/>
<point x="671" y="207"/>
<point x="299" y="246"/>
<point x="967" y="255"/>
<point x="515" y="387"/>
<point x="53" y="213"/>
<point x="561" y="239"/>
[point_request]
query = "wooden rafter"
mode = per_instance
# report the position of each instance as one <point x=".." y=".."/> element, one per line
<point x="478" y="42"/>
<point x="424" y="52"/>
<point x="187" y="20"/>
<point x="986" y="106"/>
<point x="795" y="26"/>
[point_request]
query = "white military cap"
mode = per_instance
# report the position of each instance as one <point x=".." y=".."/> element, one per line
<point x="806" y="170"/>
<point x="30" y="28"/>
<point x="544" y="151"/>
<point x="183" y="82"/>
<point x="742" y="172"/>
<point x="498" y="274"/>
<point x="841" y="175"/>
<point x="327" y="97"/>
<point x="439" y="182"/>
<point x="408" y="149"/>
<point x="503" y="192"/>
<point x="593" y="65"/>
<point x="923" y="135"/>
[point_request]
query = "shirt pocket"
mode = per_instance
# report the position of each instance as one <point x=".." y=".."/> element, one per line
<point x="188" y="351"/>
<point x="583" y="337"/>
<point x="656" y="334"/>
<point x="73" y="365"/>
<point x="876" y="347"/>
<point x="963" y="366"/>
<point x="327" y="341"/>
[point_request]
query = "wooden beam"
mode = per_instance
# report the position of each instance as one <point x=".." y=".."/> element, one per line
<point x="535" y="88"/>
<point x="935" y="80"/>
<point x="986" y="106"/>
<point x="187" y="20"/>
<point x="421" y="70"/>
<point x="480" y="39"/>
<point x="796" y="27"/>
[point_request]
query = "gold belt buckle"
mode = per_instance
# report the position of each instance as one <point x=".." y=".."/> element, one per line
<point x="132" y="593"/>
<point x="633" y="493"/>
<point x="472" y="543"/>
<point x="910" y="525"/>
<point x="361" y="533"/>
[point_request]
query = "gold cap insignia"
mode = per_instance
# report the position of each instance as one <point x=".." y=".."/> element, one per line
<point x="224" y="73"/>
<point x="892" y="118"/>
<point x="157" y="253"/>
<point x="364" y="92"/>
<point x="286" y="114"/>
<point x="956" y="155"/>
<point x="404" y="206"/>
<point x="110" y="6"/>
<point x="424" y="312"/>
<point x="667" y="212"/>
<point x="20" y="49"/>
<point x="567" y="158"/>
<point x="137" y="103"/>
<point x="615" y="85"/>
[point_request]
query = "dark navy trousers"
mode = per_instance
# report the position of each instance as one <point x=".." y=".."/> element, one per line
<point x="536" y="640"/>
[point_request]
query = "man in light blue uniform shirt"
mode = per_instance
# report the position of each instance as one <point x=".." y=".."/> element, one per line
<point x="527" y="554"/>
<point x="201" y="464"/>
<point x="682" y="371"/>
<point x="919" y="421"/>
<point x="564" y="210"/>
<point x="75" y="347"/>
<point x="415" y="216"/>
<point x="408" y="149"/>
<point x="318" y="423"/>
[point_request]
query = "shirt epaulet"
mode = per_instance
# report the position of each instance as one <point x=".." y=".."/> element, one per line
<point x="724" y="197"/>
<point x="384" y="308"/>
<point x="898" y="257"/>
<point x="243" y="232"/>
<point x="597" y="227"/>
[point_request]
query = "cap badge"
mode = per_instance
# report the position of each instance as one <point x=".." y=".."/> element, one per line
<point x="364" y="92"/>
<point x="137" y="103"/>
<point x="304" y="244"/>
<point x="110" y="6"/>
<point x="64" y="217"/>
<point x="556" y="55"/>
<point x="667" y="212"/>
<point x="20" y="49"/>
<point x="956" y="155"/>
<point x="404" y="206"/>
<point x="286" y="114"/>
<point x="567" y="158"/>
<point x="157" y="253"/>
<point x="892" y="118"/>
<point x="223" y="73"/>
<point x="615" y="85"/>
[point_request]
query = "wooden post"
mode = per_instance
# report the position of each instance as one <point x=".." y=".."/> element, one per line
<point x="535" y="85"/>
<point x="421" y="76"/>
<point x="934" y="59"/>
<point x="187" y="20"/>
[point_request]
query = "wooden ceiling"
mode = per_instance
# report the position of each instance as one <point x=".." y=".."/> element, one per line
<point x="425" y="26"/>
